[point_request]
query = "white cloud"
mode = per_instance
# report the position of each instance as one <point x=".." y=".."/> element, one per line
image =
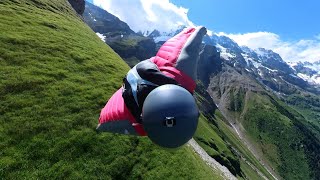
<point x="303" y="50"/>
<point x="147" y="15"/>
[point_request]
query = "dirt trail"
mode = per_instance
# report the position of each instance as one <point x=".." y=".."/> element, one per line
<point x="225" y="173"/>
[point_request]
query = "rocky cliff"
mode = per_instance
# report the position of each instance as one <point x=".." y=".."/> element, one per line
<point x="78" y="5"/>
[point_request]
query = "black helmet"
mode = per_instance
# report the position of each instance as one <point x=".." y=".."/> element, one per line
<point x="170" y="116"/>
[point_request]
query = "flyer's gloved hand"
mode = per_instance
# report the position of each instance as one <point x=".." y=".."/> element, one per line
<point x="178" y="57"/>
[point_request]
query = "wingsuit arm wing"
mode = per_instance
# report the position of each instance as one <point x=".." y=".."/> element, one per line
<point x="115" y="117"/>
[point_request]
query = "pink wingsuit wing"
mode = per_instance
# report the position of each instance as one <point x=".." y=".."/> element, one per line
<point x="177" y="58"/>
<point x="115" y="117"/>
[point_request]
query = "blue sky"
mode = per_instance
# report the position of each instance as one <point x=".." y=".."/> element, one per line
<point x="289" y="28"/>
<point x="291" y="19"/>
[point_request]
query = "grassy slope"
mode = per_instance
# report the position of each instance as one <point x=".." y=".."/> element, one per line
<point x="308" y="105"/>
<point x="220" y="143"/>
<point x="216" y="138"/>
<point x="283" y="138"/>
<point x="240" y="149"/>
<point x="55" y="76"/>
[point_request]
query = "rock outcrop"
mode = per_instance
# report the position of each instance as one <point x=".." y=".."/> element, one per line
<point x="78" y="5"/>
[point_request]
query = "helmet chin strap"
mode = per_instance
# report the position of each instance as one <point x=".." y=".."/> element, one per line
<point x="170" y="122"/>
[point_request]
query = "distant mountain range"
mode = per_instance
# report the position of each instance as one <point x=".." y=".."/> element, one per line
<point x="266" y="65"/>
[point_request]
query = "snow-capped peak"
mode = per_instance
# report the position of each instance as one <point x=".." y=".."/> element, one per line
<point x="314" y="66"/>
<point x="224" y="53"/>
<point x="307" y="71"/>
<point x="261" y="51"/>
<point x="163" y="35"/>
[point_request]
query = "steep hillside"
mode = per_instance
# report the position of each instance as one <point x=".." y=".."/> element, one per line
<point x="308" y="105"/>
<point x="215" y="135"/>
<point x="55" y="76"/>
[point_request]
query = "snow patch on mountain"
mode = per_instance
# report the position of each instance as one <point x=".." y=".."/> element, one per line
<point x="271" y="70"/>
<point x="247" y="58"/>
<point x="307" y="71"/>
<point x="224" y="53"/>
<point x="260" y="52"/>
<point x="260" y="73"/>
<point x="161" y="36"/>
<point x="161" y="39"/>
<point x="303" y="76"/>
<point x="256" y="64"/>
<point x="314" y="66"/>
<point x="101" y="36"/>
<point x="315" y="79"/>
<point x="292" y="65"/>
